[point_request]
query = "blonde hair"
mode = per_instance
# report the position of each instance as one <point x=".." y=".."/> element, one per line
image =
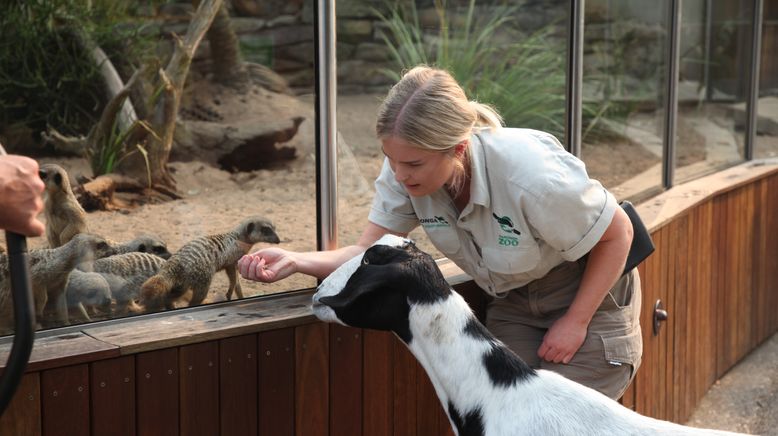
<point x="429" y="109"/>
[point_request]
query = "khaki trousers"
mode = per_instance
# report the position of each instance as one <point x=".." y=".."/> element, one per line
<point x="610" y="355"/>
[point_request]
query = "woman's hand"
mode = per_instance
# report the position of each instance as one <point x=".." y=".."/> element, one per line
<point x="563" y="340"/>
<point x="267" y="265"/>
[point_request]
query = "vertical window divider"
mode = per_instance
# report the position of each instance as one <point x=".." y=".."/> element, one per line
<point x="574" y="82"/>
<point x="752" y="104"/>
<point x="325" y="67"/>
<point x="671" y="98"/>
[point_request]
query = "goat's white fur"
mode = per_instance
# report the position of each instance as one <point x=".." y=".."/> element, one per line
<point x="546" y="404"/>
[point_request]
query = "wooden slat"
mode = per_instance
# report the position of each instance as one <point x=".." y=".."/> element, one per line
<point x="238" y="388"/>
<point x="23" y="414"/>
<point x="276" y="382"/>
<point x="720" y="284"/>
<point x="198" y="366"/>
<point x="62" y="350"/>
<point x="678" y="351"/>
<point x="113" y="396"/>
<point x="65" y="401"/>
<point x="427" y="405"/>
<point x="209" y="323"/>
<point x="312" y="371"/>
<point x="156" y="379"/>
<point x="345" y="380"/>
<point x="378" y="379"/>
<point x="405" y="379"/>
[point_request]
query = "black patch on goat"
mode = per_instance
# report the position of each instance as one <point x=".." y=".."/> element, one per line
<point x="471" y="424"/>
<point x="374" y="298"/>
<point x="505" y="368"/>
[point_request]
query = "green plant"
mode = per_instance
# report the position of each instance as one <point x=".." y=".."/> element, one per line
<point x="523" y="77"/>
<point x="47" y="77"/>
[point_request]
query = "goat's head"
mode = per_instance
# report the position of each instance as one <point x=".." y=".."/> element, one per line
<point x="376" y="289"/>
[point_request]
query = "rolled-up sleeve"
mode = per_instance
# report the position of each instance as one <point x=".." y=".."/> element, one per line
<point x="392" y="207"/>
<point x="573" y="214"/>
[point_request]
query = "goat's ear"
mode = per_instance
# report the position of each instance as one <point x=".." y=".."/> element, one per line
<point x="366" y="280"/>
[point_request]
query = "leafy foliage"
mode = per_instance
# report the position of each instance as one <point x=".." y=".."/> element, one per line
<point x="523" y="77"/>
<point x="47" y="78"/>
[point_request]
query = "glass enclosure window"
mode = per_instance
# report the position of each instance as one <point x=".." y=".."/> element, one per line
<point x="715" y="59"/>
<point x="625" y="65"/>
<point x="515" y="59"/>
<point x="767" y="122"/>
<point x="243" y="146"/>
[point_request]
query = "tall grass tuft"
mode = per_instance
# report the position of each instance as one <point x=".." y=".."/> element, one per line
<point x="523" y="77"/>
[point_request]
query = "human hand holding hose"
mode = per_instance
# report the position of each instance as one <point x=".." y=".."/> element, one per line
<point x="20" y="189"/>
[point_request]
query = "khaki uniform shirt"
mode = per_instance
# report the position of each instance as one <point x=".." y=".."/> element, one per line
<point x="532" y="207"/>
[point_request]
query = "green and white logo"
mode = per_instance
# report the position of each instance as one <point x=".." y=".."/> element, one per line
<point x="506" y="224"/>
<point x="434" y="222"/>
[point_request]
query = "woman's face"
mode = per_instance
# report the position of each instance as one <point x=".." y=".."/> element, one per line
<point x="421" y="172"/>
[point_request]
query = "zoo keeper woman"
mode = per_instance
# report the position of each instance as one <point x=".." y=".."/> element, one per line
<point x="516" y="212"/>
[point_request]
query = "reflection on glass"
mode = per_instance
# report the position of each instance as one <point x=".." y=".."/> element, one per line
<point x="713" y="85"/>
<point x="240" y="171"/>
<point x="511" y="56"/>
<point x="623" y="93"/>
<point x="767" y="118"/>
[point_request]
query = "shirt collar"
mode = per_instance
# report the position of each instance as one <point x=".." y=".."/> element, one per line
<point x="479" y="183"/>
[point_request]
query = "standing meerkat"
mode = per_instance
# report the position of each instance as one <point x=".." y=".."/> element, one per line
<point x="194" y="265"/>
<point x="65" y="217"/>
<point x="49" y="270"/>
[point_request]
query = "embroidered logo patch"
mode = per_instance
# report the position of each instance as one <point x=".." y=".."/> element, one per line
<point x="435" y="221"/>
<point x="506" y="224"/>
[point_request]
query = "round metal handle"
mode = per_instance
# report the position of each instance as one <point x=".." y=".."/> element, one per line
<point x="660" y="314"/>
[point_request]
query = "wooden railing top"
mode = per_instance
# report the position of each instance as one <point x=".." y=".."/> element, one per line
<point x="661" y="209"/>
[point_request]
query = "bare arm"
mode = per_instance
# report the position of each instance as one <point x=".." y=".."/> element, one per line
<point x="603" y="268"/>
<point x="273" y="264"/>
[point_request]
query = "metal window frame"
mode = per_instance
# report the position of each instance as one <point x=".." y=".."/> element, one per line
<point x="574" y="77"/>
<point x="671" y="94"/>
<point x="325" y="69"/>
<point x="752" y="102"/>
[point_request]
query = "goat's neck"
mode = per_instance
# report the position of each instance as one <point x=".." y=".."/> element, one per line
<point x="451" y="357"/>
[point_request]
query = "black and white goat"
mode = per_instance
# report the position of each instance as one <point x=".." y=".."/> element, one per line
<point x="484" y="387"/>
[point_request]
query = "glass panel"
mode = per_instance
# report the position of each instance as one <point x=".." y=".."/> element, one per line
<point x="625" y="64"/>
<point x="518" y="66"/>
<point x="767" y="122"/>
<point x="243" y="146"/>
<point x="713" y="85"/>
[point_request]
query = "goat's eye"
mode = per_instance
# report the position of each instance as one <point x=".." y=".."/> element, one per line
<point x="365" y="261"/>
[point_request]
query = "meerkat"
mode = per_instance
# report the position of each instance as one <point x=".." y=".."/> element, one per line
<point x="49" y="270"/>
<point x="119" y="277"/>
<point x="93" y="286"/>
<point x="194" y="265"/>
<point x="65" y="217"/>
<point x="146" y="243"/>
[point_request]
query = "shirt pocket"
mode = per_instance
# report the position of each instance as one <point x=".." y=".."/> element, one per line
<point x="446" y="240"/>
<point x="512" y="260"/>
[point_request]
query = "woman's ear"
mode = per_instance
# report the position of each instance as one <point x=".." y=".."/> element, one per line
<point x="461" y="148"/>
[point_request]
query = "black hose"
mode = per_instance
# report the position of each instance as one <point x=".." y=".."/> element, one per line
<point x="24" y="318"/>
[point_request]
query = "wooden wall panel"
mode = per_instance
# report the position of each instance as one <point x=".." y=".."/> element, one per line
<point x="378" y="382"/>
<point x="405" y="378"/>
<point x="23" y="414"/>
<point x="312" y="375"/>
<point x="157" y="384"/>
<point x="65" y="401"/>
<point x="345" y="394"/>
<point x="198" y="366"/>
<point x="238" y="391"/>
<point x="427" y="406"/>
<point x="276" y="350"/>
<point x="680" y="324"/>
<point x="113" y="396"/>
